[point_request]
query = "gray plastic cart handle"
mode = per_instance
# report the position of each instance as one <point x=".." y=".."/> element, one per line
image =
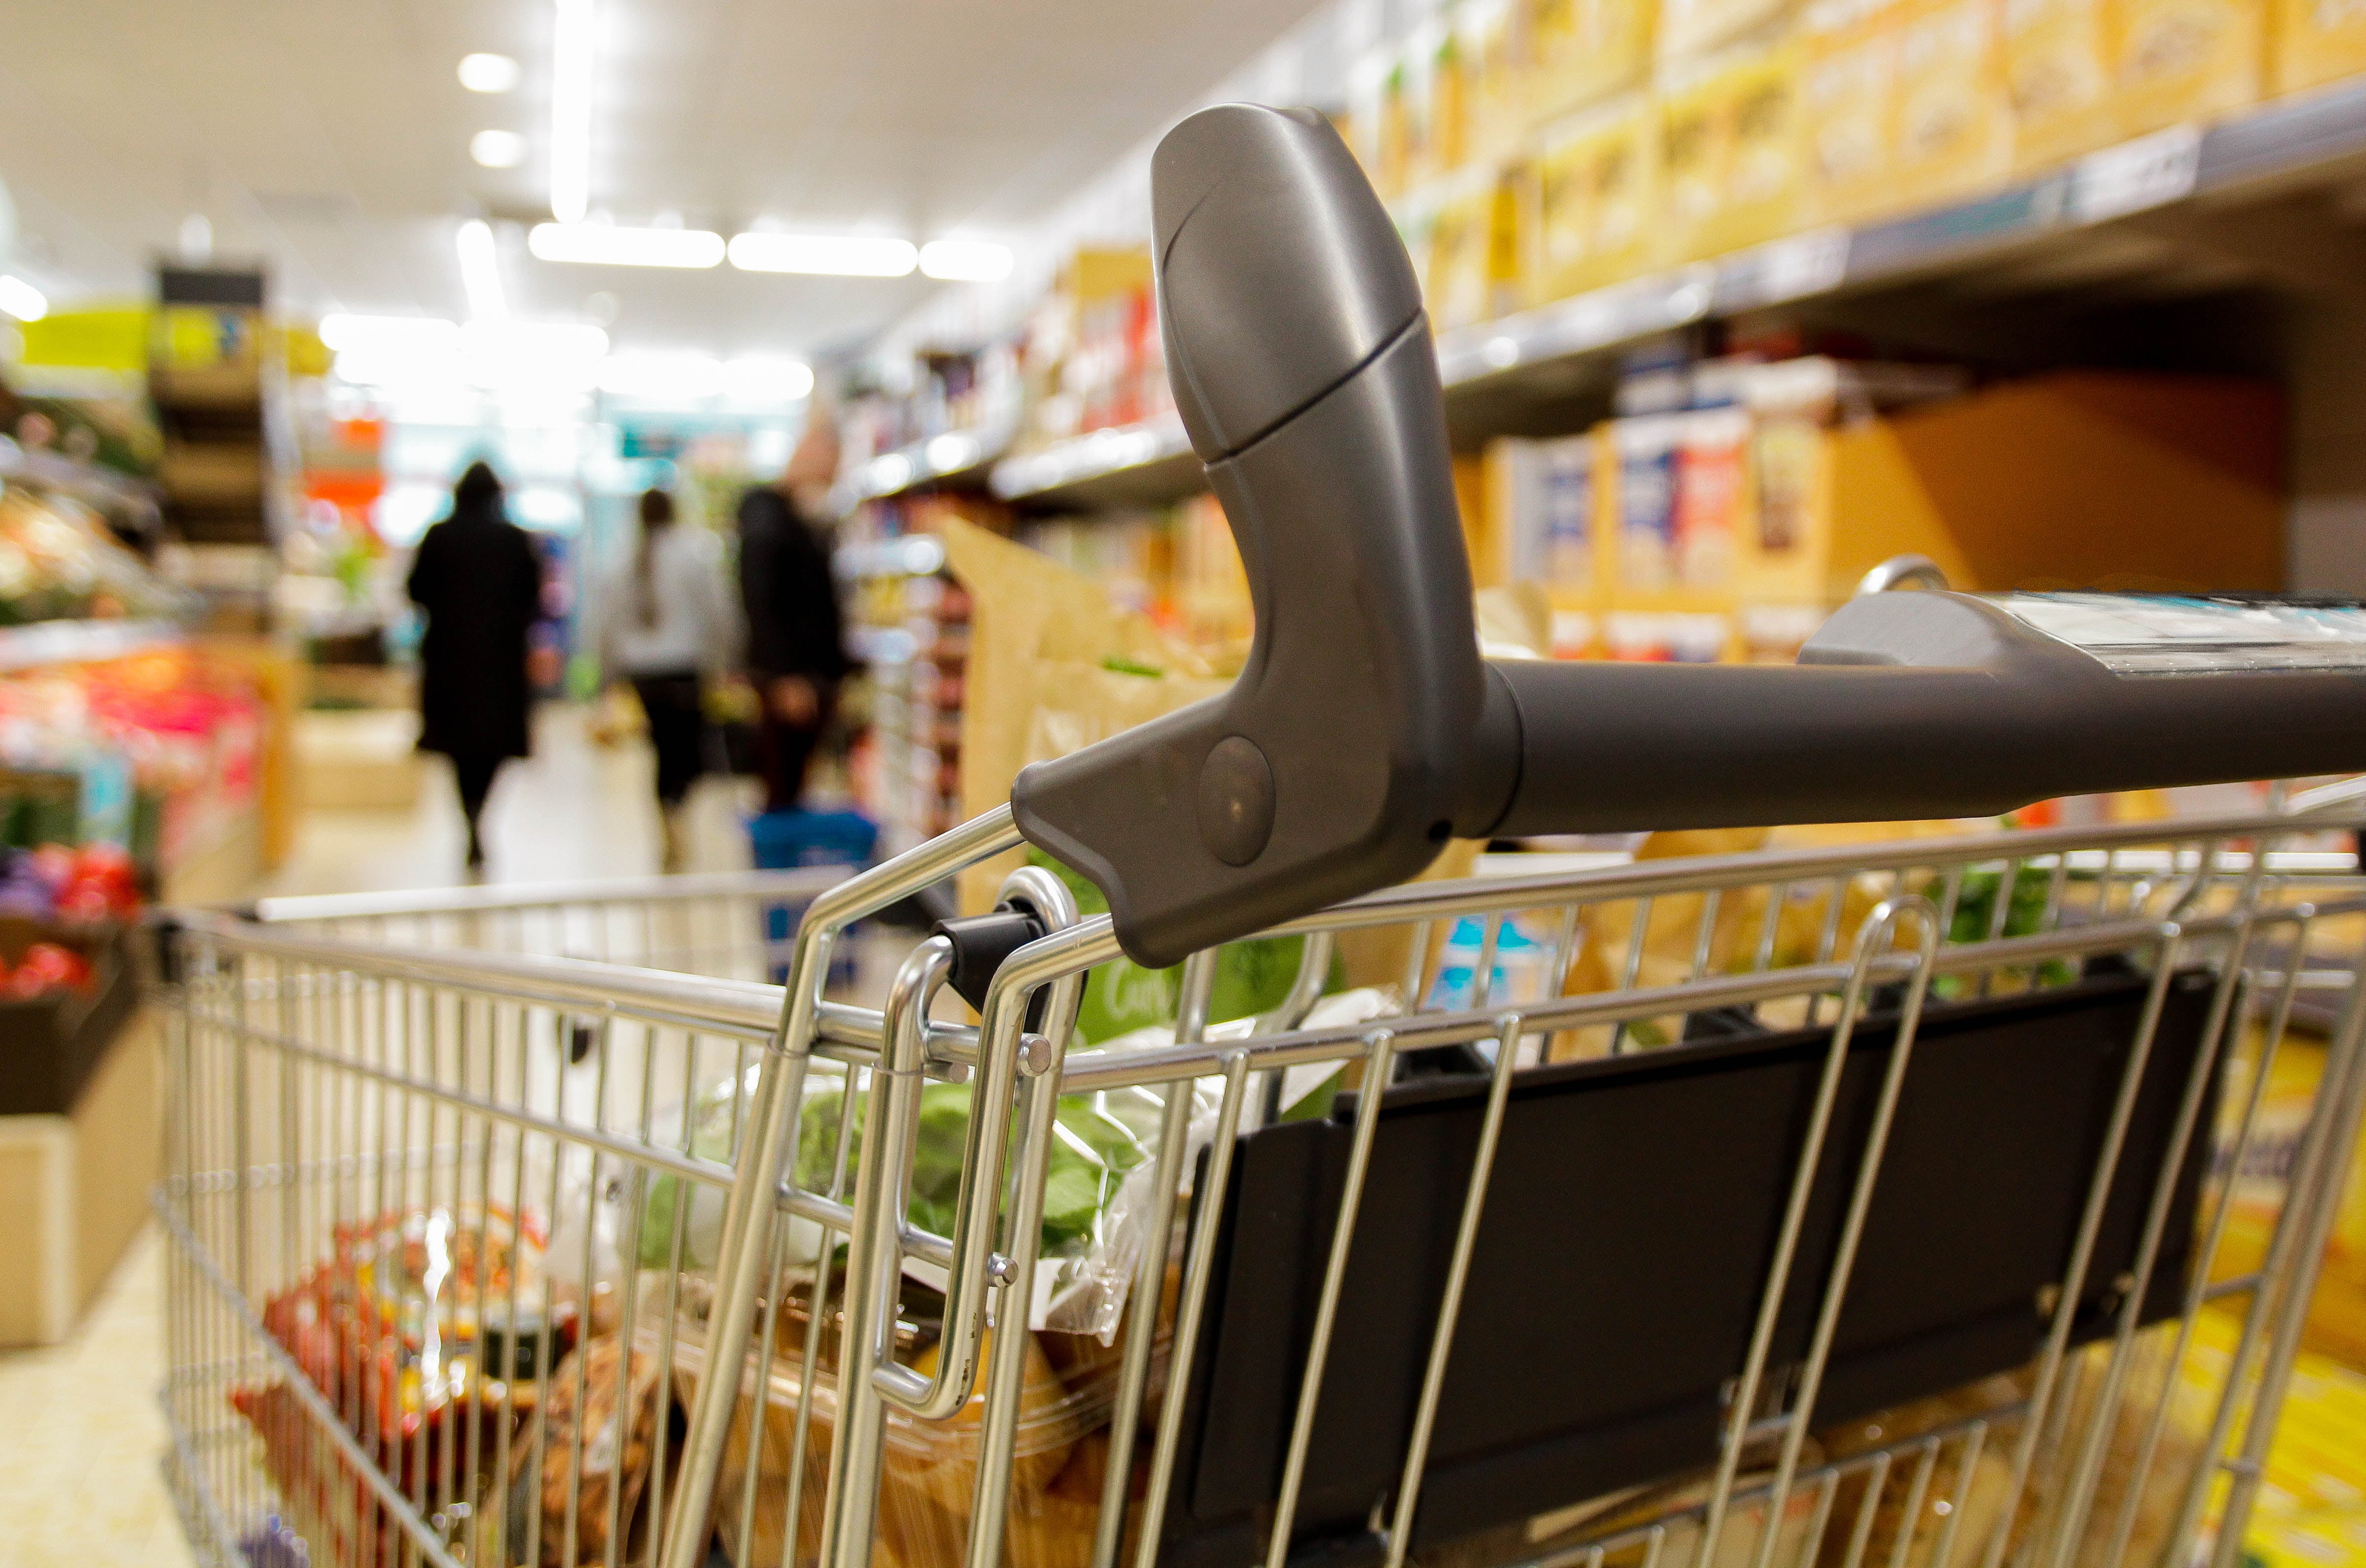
<point x="1365" y="729"/>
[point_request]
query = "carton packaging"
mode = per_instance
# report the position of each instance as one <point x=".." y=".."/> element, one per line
<point x="2313" y="42"/>
<point x="1952" y="132"/>
<point x="2057" y="77"/>
<point x="2181" y="59"/>
<point x="1731" y="153"/>
<point x="1592" y="188"/>
<point x="1581" y="50"/>
<point x="1848" y="78"/>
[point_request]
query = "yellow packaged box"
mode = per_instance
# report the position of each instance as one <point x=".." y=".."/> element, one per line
<point x="1848" y="58"/>
<point x="1488" y="56"/>
<point x="2058" y="80"/>
<point x="2179" y="60"/>
<point x="1689" y="29"/>
<point x="1376" y="108"/>
<point x="1731" y="153"/>
<point x="1580" y="50"/>
<point x="1952" y="129"/>
<point x="2314" y="41"/>
<point x="1593" y="188"/>
<point x="1432" y="95"/>
<point x="1473" y="267"/>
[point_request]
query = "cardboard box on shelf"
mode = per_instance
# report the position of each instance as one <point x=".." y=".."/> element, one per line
<point x="1952" y="132"/>
<point x="1581" y="50"/>
<point x="2174" y="61"/>
<point x="1690" y="29"/>
<point x="1471" y="266"/>
<point x="1848" y="75"/>
<point x="2080" y="480"/>
<point x="1543" y="505"/>
<point x="1592" y="188"/>
<point x="2313" y="43"/>
<point x="1730" y="152"/>
<point x="2057" y="71"/>
<point x="1490" y="57"/>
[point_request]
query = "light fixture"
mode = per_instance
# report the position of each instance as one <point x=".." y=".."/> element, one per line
<point x="559" y="354"/>
<point x="610" y="245"/>
<point x="488" y="72"/>
<point x="571" y="112"/>
<point x="480" y="272"/>
<point x="498" y="149"/>
<point x="763" y="378"/>
<point x="413" y="335"/>
<point x="838" y="255"/>
<point x="22" y="300"/>
<point x="966" y="261"/>
<point x="952" y="451"/>
<point x="683" y="377"/>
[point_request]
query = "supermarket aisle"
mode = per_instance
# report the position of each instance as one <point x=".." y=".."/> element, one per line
<point x="80" y="1432"/>
<point x="573" y="810"/>
<point x="80" y="1435"/>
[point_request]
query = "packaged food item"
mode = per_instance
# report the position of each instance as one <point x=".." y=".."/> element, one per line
<point x="929" y="1469"/>
<point x="2181" y="59"/>
<point x="1593" y="184"/>
<point x="1645" y="501"/>
<point x="1848" y="58"/>
<point x="1689" y="29"/>
<point x="1459" y="277"/>
<point x="1730" y="152"/>
<point x="585" y="1458"/>
<point x="1580" y="50"/>
<point x="427" y="1332"/>
<point x="2057" y="69"/>
<point x="1952" y="133"/>
<point x="1544" y="493"/>
<point x="1432" y="97"/>
<point x="2313" y="43"/>
<point x="1488" y="47"/>
<point x="2258" y="1185"/>
<point x="1712" y="494"/>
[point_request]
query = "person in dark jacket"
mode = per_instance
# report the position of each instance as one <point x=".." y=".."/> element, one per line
<point x="796" y="653"/>
<point x="480" y="580"/>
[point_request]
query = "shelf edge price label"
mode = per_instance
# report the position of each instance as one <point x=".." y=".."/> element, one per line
<point x="2148" y="172"/>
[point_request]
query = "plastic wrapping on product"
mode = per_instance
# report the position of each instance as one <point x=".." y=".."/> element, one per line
<point x="929" y="1469"/>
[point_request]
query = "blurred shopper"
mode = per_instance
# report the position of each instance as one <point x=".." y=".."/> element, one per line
<point x="796" y="653"/>
<point x="480" y="580"/>
<point x="668" y="622"/>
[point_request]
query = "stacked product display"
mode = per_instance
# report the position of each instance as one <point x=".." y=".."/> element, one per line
<point x="1537" y="149"/>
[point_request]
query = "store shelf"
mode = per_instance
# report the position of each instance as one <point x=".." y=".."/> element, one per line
<point x="957" y="459"/>
<point x="80" y="642"/>
<point x="1137" y="465"/>
<point x="1496" y="372"/>
<point x="905" y="555"/>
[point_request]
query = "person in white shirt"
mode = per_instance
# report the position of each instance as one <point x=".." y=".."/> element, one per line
<point x="667" y="619"/>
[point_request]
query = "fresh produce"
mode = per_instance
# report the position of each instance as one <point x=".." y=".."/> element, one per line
<point x="47" y="966"/>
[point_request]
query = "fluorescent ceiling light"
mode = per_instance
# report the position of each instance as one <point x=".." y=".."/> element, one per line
<point x="498" y="149"/>
<point x="480" y="272"/>
<point x="613" y="246"/>
<point x="22" y="300"/>
<point x="761" y="379"/>
<point x="411" y="333"/>
<point x="838" y="255"/>
<point x="488" y="72"/>
<point x="571" y="112"/>
<point x="966" y="261"/>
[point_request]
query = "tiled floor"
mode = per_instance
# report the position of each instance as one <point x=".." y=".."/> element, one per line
<point x="80" y="1429"/>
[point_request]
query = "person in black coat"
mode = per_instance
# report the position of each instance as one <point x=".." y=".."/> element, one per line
<point x="479" y="579"/>
<point x="797" y="652"/>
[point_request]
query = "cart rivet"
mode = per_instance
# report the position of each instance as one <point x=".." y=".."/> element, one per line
<point x="1002" y="1270"/>
<point x="1035" y="1056"/>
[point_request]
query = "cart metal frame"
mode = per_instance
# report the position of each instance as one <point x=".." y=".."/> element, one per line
<point x="317" y="1081"/>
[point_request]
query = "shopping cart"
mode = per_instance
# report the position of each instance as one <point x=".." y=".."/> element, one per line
<point x="1943" y="1204"/>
